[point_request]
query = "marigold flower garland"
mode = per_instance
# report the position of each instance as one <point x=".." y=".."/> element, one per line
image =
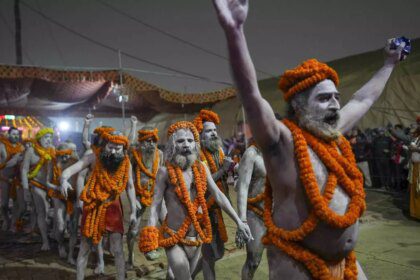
<point x="184" y="125"/>
<point x="11" y="150"/>
<point x="146" y="194"/>
<point x="151" y="238"/>
<point x="144" y="134"/>
<point x="305" y="76"/>
<point x="45" y="155"/>
<point x="101" y="190"/>
<point x="208" y="157"/>
<point x="342" y="170"/>
<point x="205" y="116"/>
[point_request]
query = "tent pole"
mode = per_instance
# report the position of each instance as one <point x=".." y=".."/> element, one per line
<point x="121" y="84"/>
<point x="18" y="33"/>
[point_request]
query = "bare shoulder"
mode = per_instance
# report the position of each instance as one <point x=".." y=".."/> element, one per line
<point x="284" y="142"/>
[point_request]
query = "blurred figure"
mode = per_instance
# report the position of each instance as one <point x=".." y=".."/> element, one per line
<point x="381" y="156"/>
<point x="414" y="175"/>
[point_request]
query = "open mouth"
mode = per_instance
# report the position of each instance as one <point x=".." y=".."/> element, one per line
<point x="332" y="118"/>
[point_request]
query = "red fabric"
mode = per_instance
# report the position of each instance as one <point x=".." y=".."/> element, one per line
<point x="114" y="218"/>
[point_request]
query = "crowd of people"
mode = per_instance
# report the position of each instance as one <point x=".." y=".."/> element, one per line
<point x="384" y="155"/>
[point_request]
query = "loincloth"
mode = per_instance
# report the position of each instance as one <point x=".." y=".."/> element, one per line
<point x="113" y="218"/>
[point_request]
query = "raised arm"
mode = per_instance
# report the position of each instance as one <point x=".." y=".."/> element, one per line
<point x="132" y="131"/>
<point x="266" y="129"/>
<point x="85" y="132"/>
<point x="246" y="166"/>
<point x="364" y="98"/>
<point x="156" y="207"/>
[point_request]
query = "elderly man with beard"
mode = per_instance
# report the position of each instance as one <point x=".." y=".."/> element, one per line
<point x="10" y="156"/>
<point x="36" y="162"/>
<point x="66" y="155"/>
<point x="183" y="183"/>
<point x="102" y="209"/>
<point x="250" y="187"/>
<point x="212" y="154"/>
<point x="146" y="160"/>
<point x="315" y="192"/>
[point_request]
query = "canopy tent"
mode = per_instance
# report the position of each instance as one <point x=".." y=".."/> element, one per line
<point x="52" y="92"/>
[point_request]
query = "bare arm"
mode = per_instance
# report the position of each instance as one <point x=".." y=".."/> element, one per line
<point x="50" y="177"/>
<point x="80" y="183"/>
<point x="3" y="154"/>
<point x="25" y="167"/>
<point x="232" y="16"/>
<point x="220" y="198"/>
<point x="160" y="188"/>
<point x="364" y="98"/>
<point x="245" y="174"/>
<point x="85" y="132"/>
<point x="133" y="128"/>
<point x="131" y="194"/>
<point x="83" y="163"/>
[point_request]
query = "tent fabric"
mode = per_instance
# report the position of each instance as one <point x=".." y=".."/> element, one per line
<point x="57" y="92"/>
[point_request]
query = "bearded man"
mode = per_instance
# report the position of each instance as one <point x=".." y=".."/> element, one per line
<point x="312" y="209"/>
<point x="250" y="188"/>
<point x="66" y="155"/>
<point x="219" y="165"/>
<point x="10" y="156"/>
<point x="102" y="209"/>
<point x="182" y="182"/>
<point x="146" y="160"/>
<point x="36" y="162"/>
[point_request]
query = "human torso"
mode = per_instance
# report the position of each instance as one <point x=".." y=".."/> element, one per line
<point x="291" y="206"/>
<point x="176" y="211"/>
<point x="8" y="172"/>
<point x="256" y="186"/>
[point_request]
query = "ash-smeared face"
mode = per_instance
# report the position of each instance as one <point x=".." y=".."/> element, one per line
<point x="112" y="156"/>
<point x="46" y="141"/>
<point x="14" y="136"/>
<point x="181" y="149"/>
<point x="321" y="111"/>
<point x="148" y="146"/>
<point x="209" y="137"/>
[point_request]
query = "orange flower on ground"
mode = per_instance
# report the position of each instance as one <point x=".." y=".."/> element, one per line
<point x="342" y="170"/>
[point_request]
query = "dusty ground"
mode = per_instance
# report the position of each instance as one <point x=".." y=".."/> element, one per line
<point x="388" y="248"/>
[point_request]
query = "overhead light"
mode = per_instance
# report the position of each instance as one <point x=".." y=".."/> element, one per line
<point x="63" y="125"/>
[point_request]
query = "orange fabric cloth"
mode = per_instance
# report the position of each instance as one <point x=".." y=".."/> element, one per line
<point x="305" y="76"/>
<point x="113" y="218"/>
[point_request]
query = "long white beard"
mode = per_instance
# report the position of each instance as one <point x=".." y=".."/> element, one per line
<point x="317" y="126"/>
<point x="184" y="161"/>
<point x="212" y="145"/>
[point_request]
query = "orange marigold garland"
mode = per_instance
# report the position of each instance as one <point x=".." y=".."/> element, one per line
<point x="145" y="191"/>
<point x="305" y="76"/>
<point x="207" y="157"/>
<point x="341" y="170"/>
<point x="99" y="192"/>
<point x="144" y="134"/>
<point x="45" y="155"/>
<point x="184" y="125"/>
<point x="116" y="139"/>
<point x="205" y="116"/>
<point x="201" y="222"/>
<point x="11" y="150"/>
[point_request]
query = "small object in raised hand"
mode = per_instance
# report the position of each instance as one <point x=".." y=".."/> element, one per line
<point x="407" y="47"/>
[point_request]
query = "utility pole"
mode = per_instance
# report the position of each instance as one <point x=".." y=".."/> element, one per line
<point x="18" y="33"/>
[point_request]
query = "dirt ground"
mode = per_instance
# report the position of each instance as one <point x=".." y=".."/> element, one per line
<point x="388" y="248"/>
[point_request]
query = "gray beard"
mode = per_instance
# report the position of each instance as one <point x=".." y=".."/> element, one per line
<point x="212" y="145"/>
<point x="318" y="127"/>
<point x="184" y="161"/>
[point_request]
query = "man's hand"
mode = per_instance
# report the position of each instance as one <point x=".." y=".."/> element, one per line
<point x="152" y="255"/>
<point x="65" y="187"/>
<point x="133" y="119"/>
<point x="231" y="13"/>
<point x="138" y="205"/>
<point x="392" y="57"/>
<point x="227" y="163"/>
<point x="88" y="119"/>
<point x="243" y="235"/>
